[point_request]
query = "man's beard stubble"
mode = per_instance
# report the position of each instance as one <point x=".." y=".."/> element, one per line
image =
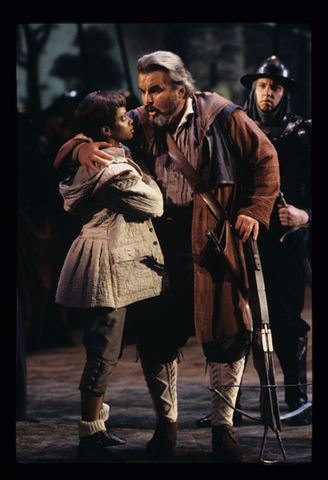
<point x="163" y="118"/>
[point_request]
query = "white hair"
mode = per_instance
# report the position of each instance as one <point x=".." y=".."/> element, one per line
<point x="173" y="65"/>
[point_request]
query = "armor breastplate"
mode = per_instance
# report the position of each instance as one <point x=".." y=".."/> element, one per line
<point x="297" y="126"/>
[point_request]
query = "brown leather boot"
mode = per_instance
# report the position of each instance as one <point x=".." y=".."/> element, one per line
<point x="225" y="446"/>
<point x="163" y="441"/>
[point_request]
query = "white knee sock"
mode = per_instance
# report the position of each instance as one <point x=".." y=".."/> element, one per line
<point x="161" y="380"/>
<point x="90" y="428"/>
<point x="225" y="374"/>
<point x="104" y="412"/>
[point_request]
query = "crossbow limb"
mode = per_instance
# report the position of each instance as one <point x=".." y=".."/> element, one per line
<point x="287" y="416"/>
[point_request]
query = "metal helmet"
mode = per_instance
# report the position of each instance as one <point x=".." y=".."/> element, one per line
<point x="272" y="68"/>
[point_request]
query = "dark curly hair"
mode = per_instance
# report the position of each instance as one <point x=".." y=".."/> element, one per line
<point x="96" y="110"/>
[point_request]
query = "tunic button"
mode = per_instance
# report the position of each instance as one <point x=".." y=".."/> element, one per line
<point x="155" y="243"/>
<point x="150" y="229"/>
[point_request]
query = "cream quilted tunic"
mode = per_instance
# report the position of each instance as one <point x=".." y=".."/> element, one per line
<point x="116" y="260"/>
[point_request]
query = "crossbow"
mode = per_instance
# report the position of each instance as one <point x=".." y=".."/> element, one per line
<point x="262" y="348"/>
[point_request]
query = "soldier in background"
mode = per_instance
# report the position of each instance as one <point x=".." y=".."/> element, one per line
<point x="268" y="104"/>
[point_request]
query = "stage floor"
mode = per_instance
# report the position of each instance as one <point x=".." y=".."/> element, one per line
<point x="53" y="409"/>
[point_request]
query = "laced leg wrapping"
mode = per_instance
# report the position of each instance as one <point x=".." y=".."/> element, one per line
<point x="161" y="381"/>
<point x="225" y="374"/>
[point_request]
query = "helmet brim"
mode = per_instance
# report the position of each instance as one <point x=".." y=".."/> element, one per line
<point x="288" y="83"/>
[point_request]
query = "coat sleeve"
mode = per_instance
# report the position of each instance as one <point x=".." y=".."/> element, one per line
<point x="64" y="163"/>
<point x="259" y="165"/>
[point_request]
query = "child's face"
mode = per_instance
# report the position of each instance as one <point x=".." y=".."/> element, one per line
<point x="123" y="129"/>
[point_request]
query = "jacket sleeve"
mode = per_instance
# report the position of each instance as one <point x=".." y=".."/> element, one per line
<point x="124" y="188"/>
<point x="64" y="163"/>
<point x="128" y="194"/>
<point x="259" y="165"/>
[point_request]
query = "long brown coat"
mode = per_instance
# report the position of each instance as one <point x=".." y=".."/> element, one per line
<point x="220" y="307"/>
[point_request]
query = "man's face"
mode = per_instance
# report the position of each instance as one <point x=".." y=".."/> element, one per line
<point x="268" y="93"/>
<point x="162" y="102"/>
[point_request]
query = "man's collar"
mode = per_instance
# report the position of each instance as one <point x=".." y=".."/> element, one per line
<point x="188" y="110"/>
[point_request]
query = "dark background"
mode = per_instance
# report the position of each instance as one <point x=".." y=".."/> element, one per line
<point x="57" y="64"/>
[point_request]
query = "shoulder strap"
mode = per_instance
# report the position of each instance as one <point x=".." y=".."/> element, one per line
<point x="196" y="182"/>
<point x="192" y="175"/>
<point x="225" y="112"/>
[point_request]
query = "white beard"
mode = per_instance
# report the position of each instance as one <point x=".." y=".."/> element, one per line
<point x="164" y="118"/>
